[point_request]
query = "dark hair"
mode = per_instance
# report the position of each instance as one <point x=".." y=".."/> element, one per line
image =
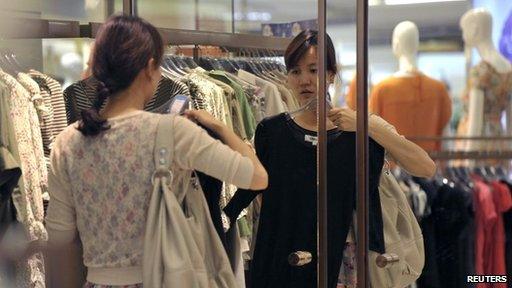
<point x="300" y="45"/>
<point x="122" y="49"/>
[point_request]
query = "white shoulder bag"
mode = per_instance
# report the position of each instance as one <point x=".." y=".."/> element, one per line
<point x="403" y="239"/>
<point x="181" y="246"/>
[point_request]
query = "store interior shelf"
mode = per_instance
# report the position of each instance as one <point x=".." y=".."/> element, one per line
<point x="20" y="28"/>
<point x="227" y="40"/>
<point x="89" y="30"/>
<point x="204" y="38"/>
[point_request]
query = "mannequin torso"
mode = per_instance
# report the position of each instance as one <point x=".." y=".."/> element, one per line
<point x="489" y="89"/>
<point x="409" y="97"/>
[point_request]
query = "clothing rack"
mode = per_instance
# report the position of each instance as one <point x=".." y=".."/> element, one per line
<point x="456" y="138"/>
<point x="471" y="155"/>
<point x="45" y="28"/>
<point x="231" y="41"/>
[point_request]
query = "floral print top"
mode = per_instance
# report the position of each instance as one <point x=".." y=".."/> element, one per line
<point x="29" y="202"/>
<point x="497" y="89"/>
<point x="100" y="186"/>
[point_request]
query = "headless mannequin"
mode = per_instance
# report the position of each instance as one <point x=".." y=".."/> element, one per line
<point x="406" y="41"/>
<point x="476" y="27"/>
<point x="407" y="98"/>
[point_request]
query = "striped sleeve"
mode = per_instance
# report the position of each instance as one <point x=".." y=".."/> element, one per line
<point x="57" y="103"/>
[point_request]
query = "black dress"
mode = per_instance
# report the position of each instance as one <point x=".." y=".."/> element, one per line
<point x="288" y="213"/>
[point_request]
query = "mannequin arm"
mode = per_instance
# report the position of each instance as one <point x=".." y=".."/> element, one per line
<point x="475" y="116"/>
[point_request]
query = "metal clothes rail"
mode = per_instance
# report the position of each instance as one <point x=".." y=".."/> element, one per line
<point x="456" y="138"/>
<point x="193" y="37"/>
<point x="471" y="155"/>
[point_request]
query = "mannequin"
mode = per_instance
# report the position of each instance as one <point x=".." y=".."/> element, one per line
<point x="406" y="40"/>
<point x="476" y="27"/>
<point x="414" y="103"/>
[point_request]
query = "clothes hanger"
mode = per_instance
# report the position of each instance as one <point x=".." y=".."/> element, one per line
<point x="500" y="171"/>
<point x="14" y="61"/>
<point x="176" y="60"/>
<point x="230" y="66"/>
<point x="6" y="65"/>
<point x="190" y="62"/>
<point x="303" y="108"/>
<point x="178" y="67"/>
<point x="250" y="62"/>
<point x="217" y="64"/>
<point x="168" y="70"/>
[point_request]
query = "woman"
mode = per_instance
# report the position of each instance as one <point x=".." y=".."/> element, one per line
<point x="286" y="146"/>
<point x="101" y="167"/>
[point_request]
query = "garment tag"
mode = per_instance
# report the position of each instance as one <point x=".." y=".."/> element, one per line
<point x="312" y="139"/>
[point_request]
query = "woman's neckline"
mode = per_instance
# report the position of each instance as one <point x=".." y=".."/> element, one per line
<point x="125" y="115"/>
<point x="290" y="119"/>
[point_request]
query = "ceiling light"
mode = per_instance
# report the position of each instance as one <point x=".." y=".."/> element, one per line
<point x="405" y="2"/>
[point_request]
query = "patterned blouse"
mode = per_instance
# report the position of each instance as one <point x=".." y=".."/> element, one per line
<point x="497" y="90"/>
<point x="29" y="203"/>
<point x="100" y="187"/>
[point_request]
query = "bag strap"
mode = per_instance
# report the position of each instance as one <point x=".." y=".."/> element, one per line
<point x="164" y="146"/>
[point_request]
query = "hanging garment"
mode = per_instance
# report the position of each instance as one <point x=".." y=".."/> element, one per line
<point x="56" y="101"/>
<point x="227" y="93"/>
<point x="490" y="203"/>
<point x="46" y="118"/>
<point x="273" y="102"/>
<point x="35" y="120"/>
<point x="254" y="96"/>
<point x="10" y="175"/>
<point x="454" y="233"/>
<point x="206" y="95"/>
<point x="29" y="201"/>
<point x="496" y="247"/>
<point x="406" y="103"/>
<point x="117" y="161"/>
<point x="80" y="96"/>
<point x="507" y="221"/>
<point x="430" y="277"/>
<point x="291" y="198"/>
<point x="247" y="115"/>
<point x="9" y="157"/>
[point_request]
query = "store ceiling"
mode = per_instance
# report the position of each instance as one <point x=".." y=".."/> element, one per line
<point x="435" y="20"/>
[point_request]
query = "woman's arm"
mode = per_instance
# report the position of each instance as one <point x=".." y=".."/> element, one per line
<point x="407" y="154"/>
<point x="260" y="177"/>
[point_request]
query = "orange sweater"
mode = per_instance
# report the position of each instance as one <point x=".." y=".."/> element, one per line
<point x="416" y="106"/>
<point x="350" y="99"/>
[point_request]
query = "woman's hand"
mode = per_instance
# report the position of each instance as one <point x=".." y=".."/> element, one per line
<point x="204" y="118"/>
<point x="343" y="118"/>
